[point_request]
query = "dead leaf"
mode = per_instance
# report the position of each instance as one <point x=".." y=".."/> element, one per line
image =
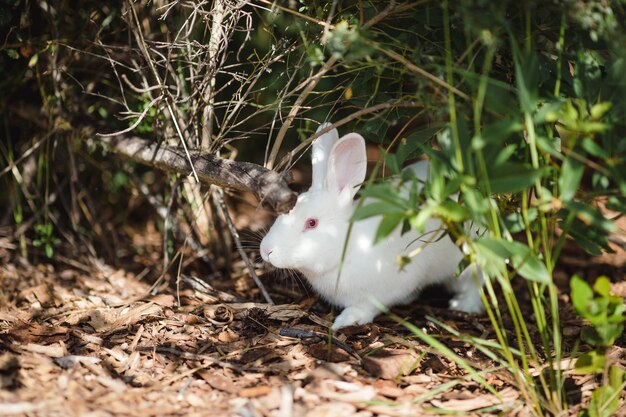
<point x="217" y="380"/>
<point x="227" y="336"/>
<point x="388" y="389"/>
<point x="328" y="352"/>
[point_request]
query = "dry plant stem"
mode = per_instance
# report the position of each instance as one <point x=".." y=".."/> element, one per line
<point x="217" y="194"/>
<point x="268" y="186"/>
<point x="178" y="273"/>
<point x="166" y="227"/>
<point x="296" y="107"/>
<point x="378" y="107"/>
<point x="12" y="165"/>
<point x="275" y="4"/>
<point x="214" y="43"/>
<point x="188" y="355"/>
<point x="173" y="115"/>
<point x="414" y="68"/>
<point x="314" y="80"/>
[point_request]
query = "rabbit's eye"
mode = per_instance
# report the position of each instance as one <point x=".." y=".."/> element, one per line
<point x="310" y="224"/>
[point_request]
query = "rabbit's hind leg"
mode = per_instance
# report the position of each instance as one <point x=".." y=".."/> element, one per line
<point x="466" y="289"/>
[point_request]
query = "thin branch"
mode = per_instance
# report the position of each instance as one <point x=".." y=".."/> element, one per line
<point x="376" y="108"/>
<point x="233" y="231"/>
<point x="144" y="49"/>
<point x="209" y="95"/>
<point x="296" y="107"/>
<point x="274" y="4"/>
<point x="134" y="125"/>
<point x="414" y="68"/>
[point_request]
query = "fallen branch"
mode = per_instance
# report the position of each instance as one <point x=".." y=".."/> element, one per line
<point x="269" y="187"/>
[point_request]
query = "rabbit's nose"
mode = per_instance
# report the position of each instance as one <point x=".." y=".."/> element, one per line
<point x="267" y="252"/>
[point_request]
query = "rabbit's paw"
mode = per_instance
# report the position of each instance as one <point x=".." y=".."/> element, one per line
<point x="355" y="315"/>
<point x="468" y="303"/>
<point x="467" y="291"/>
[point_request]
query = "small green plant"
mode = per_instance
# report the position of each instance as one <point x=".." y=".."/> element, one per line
<point x="605" y="314"/>
<point x="46" y="239"/>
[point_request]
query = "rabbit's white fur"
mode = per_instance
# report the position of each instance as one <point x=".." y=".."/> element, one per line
<point x="369" y="271"/>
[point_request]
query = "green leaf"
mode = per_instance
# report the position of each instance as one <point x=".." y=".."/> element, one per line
<point x="571" y="174"/>
<point x="512" y="178"/>
<point x="603" y="286"/>
<point x="604" y="402"/>
<point x="520" y="256"/>
<point x="387" y="225"/>
<point x="452" y="211"/>
<point x="581" y="294"/>
<point x="496" y="133"/>
<point x="591" y="216"/>
<point x="598" y="110"/>
<point x="616" y="376"/>
<point x="592" y="240"/>
<point x="12" y="53"/>
<point x="527" y="81"/>
<point x="616" y="203"/>
<point x="476" y="202"/>
<point x="409" y="145"/>
<point x="375" y="209"/>
<point x="590" y="363"/>
<point x="593" y="148"/>
<point x="515" y="221"/>
<point x="392" y="163"/>
<point x="385" y="192"/>
<point x="316" y="56"/>
<point x="548" y="112"/>
<point x="419" y="220"/>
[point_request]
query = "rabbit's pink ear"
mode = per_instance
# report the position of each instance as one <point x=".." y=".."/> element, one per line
<point x="346" y="167"/>
<point x="321" y="152"/>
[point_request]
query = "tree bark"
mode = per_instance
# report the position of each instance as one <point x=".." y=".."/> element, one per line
<point x="269" y="187"/>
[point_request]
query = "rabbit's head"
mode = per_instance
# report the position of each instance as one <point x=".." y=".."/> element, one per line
<point x="311" y="237"/>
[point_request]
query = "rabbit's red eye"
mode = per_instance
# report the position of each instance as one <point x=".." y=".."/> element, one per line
<point x="310" y="224"/>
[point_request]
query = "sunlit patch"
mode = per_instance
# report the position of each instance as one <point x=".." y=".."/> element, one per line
<point x="364" y="243"/>
<point x="288" y="220"/>
<point x="307" y="247"/>
<point x="379" y="265"/>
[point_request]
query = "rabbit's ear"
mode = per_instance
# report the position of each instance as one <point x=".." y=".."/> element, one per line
<point x="321" y="151"/>
<point x="346" y="167"/>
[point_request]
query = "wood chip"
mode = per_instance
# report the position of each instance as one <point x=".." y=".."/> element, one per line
<point x="391" y="364"/>
<point x="253" y="392"/>
<point x="475" y="402"/>
<point x="52" y="351"/>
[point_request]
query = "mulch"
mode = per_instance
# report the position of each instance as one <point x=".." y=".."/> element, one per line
<point x="86" y="338"/>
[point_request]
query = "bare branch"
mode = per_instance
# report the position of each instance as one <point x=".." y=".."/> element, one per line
<point x="360" y="113"/>
<point x="268" y="186"/>
<point x="312" y="83"/>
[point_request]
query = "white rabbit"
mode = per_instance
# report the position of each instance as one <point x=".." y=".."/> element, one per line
<point x="311" y="237"/>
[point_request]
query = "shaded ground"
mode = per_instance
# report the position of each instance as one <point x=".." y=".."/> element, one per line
<point x="85" y="338"/>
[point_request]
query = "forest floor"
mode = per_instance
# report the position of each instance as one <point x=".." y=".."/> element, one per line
<point x="79" y="337"/>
